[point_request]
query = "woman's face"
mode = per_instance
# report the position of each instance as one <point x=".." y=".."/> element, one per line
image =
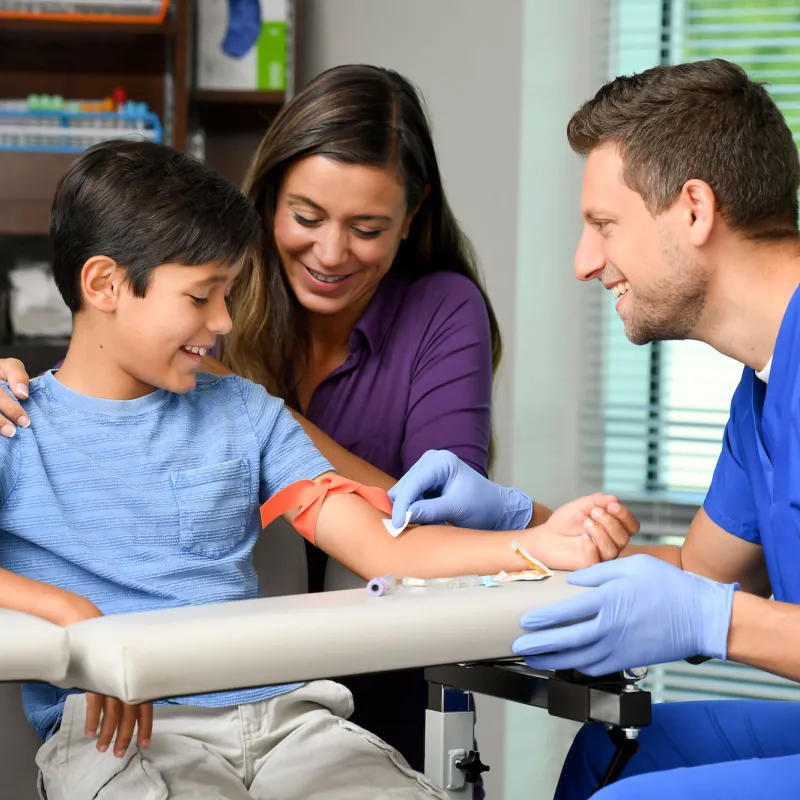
<point x="337" y="228"/>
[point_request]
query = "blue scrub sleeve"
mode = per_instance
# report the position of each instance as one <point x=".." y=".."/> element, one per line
<point x="729" y="502"/>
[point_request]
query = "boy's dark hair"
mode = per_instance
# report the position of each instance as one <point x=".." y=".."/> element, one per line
<point x="145" y="204"/>
<point x="704" y="120"/>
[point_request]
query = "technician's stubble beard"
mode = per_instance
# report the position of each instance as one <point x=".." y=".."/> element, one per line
<point x="670" y="309"/>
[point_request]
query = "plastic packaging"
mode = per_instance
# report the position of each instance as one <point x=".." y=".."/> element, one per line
<point x="459" y="582"/>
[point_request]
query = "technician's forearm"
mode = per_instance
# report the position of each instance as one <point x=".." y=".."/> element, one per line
<point x="666" y="552"/>
<point x="765" y="634"/>
<point x="753" y="580"/>
<point x="540" y="515"/>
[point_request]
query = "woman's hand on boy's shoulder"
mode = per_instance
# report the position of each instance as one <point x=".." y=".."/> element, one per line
<point x="12" y="371"/>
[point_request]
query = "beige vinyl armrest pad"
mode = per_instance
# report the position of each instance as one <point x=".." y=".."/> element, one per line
<point x="160" y="654"/>
<point x="32" y="648"/>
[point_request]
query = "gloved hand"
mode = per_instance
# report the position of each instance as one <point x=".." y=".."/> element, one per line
<point x="644" y="611"/>
<point x="459" y="495"/>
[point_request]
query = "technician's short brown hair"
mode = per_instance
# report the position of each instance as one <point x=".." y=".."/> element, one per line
<point x="705" y="120"/>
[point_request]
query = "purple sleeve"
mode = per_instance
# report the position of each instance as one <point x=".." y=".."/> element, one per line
<point x="450" y="404"/>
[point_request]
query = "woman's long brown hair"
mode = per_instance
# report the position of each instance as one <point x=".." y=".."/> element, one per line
<point x="355" y="115"/>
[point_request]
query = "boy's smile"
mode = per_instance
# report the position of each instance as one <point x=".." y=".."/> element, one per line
<point x="185" y="307"/>
<point x="126" y="346"/>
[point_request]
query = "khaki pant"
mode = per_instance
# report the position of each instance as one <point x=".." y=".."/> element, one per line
<point x="297" y="745"/>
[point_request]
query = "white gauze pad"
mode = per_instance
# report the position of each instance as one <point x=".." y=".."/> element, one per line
<point x="387" y="523"/>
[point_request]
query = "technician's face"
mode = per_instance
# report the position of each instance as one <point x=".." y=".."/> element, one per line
<point x="659" y="287"/>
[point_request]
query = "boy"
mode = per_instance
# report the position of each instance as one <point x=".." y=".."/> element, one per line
<point x="138" y="484"/>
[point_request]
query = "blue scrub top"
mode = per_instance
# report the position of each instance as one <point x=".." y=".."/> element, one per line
<point x="755" y="491"/>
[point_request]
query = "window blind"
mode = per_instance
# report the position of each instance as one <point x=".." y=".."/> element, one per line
<point x="664" y="406"/>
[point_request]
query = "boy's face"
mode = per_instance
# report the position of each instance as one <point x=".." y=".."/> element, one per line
<point x="160" y="339"/>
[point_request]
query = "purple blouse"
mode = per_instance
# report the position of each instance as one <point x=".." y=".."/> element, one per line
<point x="418" y="377"/>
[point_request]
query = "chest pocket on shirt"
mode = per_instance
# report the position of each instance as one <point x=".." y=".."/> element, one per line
<point x="214" y="506"/>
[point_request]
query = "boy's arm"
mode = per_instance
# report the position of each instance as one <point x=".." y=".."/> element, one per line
<point x="350" y="530"/>
<point x="106" y="717"/>
<point x="59" y="606"/>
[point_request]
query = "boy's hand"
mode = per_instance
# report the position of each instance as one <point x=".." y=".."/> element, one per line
<point x="586" y="514"/>
<point x="106" y="712"/>
<point x="12" y="371"/>
<point x="581" y="533"/>
<point x="120" y="717"/>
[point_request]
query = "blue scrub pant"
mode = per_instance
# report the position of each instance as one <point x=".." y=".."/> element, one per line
<point x="727" y="749"/>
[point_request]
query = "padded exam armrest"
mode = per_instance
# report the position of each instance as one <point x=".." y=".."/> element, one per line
<point x="160" y="654"/>
<point x="32" y="648"/>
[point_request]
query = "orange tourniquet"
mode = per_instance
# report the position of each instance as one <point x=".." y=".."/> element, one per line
<point x="309" y="496"/>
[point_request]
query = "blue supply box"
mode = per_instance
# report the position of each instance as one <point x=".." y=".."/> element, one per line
<point x="50" y="124"/>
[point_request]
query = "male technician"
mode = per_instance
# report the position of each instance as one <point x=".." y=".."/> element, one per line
<point x="690" y="218"/>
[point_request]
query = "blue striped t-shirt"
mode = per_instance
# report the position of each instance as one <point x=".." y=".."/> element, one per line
<point x="146" y="504"/>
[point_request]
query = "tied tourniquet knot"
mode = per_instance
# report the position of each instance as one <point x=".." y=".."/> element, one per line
<point x="309" y="496"/>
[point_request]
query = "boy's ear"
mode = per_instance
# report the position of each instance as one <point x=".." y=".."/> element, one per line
<point x="102" y="283"/>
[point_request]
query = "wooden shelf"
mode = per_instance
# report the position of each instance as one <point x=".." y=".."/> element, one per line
<point x="213" y="96"/>
<point x="27" y="188"/>
<point x="26" y="217"/>
<point x="38" y="355"/>
<point x="166" y="28"/>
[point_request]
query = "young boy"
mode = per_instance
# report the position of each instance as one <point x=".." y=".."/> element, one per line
<point x="138" y="485"/>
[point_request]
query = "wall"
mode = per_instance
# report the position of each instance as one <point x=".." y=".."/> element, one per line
<point x="564" y="50"/>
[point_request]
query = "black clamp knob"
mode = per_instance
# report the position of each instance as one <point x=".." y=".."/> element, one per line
<point x="472" y="766"/>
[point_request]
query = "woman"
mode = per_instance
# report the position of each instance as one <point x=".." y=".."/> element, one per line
<point x="363" y="310"/>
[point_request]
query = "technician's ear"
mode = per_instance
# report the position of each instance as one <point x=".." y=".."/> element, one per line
<point x="413" y="213"/>
<point x="699" y="210"/>
<point x="102" y="283"/>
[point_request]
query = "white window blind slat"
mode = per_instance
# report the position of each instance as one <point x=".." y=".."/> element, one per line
<point x="663" y="407"/>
